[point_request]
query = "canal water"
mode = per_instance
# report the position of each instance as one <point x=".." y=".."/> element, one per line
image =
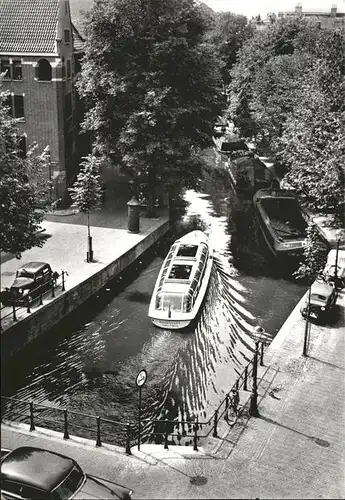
<point x="89" y="364"/>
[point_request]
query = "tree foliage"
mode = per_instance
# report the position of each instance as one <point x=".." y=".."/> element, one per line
<point x="19" y="219"/>
<point x="228" y="32"/>
<point x="314" y="256"/>
<point x="287" y="91"/>
<point x="86" y="192"/>
<point x="151" y="83"/>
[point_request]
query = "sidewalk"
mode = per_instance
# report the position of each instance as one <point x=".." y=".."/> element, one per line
<point x="295" y="449"/>
<point x="66" y="246"/>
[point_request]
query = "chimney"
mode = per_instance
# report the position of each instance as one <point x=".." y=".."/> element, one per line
<point x="298" y="8"/>
<point x="334" y="10"/>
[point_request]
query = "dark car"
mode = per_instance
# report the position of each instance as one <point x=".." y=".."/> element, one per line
<point x="32" y="279"/>
<point x="323" y="297"/>
<point x="34" y="473"/>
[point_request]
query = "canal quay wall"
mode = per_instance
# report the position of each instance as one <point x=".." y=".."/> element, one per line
<point x="65" y="249"/>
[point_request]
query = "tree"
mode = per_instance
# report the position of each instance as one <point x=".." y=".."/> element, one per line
<point x="228" y="33"/>
<point x="288" y="92"/>
<point x="19" y="219"/>
<point x="314" y="256"/>
<point x="86" y="193"/>
<point x="152" y="85"/>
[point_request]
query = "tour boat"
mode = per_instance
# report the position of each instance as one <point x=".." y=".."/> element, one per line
<point x="282" y="221"/>
<point x="182" y="282"/>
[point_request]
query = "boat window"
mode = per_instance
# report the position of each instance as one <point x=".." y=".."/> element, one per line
<point x="187" y="251"/>
<point x="174" y="301"/>
<point x="158" y="301"/>
<point x="180" y="272"/>
<point x="187" y="303"/>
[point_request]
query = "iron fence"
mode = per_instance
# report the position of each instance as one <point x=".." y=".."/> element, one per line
<point x="165" y="430"/>
<point x="36" y="295"/>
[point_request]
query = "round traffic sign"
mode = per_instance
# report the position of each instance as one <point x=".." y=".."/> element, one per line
<point x="141" y="378"/>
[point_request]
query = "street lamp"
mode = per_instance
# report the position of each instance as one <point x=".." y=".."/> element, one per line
<point x="306" y="329"/>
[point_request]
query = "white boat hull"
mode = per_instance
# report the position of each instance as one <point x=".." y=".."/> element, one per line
<point x="169" y="291"/>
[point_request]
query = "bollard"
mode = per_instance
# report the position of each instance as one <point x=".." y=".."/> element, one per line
<point x="28" y="307"/>
<point x="63" y="280"/>
<point x="128" y="439"/>
<point x="245" y="382"/>
<point x="215" y="434"/>
<point x="262" y="354"/>
<point x="195" y="438"/>
<point x="166" y="436"/>
<point x="98" y="439"/>
<point x="179" y="437"/>
<point x="65" y="434"/>
<point x="32" y="425"/>
<point x="53" y="289"/>
<point x="133" y="215"/>
<point x="41" y="299"/>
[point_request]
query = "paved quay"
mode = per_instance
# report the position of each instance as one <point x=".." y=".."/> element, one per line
<point x="294" y="449"/>
<point x="66" y="246"/>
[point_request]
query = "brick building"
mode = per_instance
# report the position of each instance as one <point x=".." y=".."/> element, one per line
<point x="39" y="51"/>
<point x="324" y="18"/>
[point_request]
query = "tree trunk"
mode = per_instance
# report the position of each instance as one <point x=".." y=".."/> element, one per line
<point x="151" y="195"/>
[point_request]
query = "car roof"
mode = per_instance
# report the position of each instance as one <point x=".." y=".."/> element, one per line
<point x="32" y="266"/>
<point x="321" y="288"/>
<point x="36" y="467"/>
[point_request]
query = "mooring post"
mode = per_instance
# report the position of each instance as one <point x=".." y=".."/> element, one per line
<point x="128" y="439"/>
<point x="32" y="425"/>
<point x="98" y="439"/>
<point x="65" y="434"/>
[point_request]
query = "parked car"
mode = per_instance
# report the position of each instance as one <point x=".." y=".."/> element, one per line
<point x="329" y="269"/>
<point x="35" y="473"/>
<point x="32" y="279"/>
<point x="323" y="297"/>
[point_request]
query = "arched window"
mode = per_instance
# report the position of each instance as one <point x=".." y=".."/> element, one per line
<point x="43" y="71"/>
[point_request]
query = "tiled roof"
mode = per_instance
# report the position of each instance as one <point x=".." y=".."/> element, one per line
<point x="78" y="40"/>
<point x="28" y="25"/>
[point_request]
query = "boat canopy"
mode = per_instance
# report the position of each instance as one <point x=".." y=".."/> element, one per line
<point x="178" y="273"/>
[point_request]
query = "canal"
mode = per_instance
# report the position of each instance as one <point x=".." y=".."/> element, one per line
<point x="90" y="362"/>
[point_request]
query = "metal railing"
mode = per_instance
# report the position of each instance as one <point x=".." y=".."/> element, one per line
<point x="164" y="430"/>
<point x="36" y="294"/>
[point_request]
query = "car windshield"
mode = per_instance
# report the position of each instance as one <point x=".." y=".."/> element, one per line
<point x="70" y="485"/>
<point x="317" y="296"/>
<point x="23" y="273"/>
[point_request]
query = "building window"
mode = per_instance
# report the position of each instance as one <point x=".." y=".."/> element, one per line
<point x="69" y="72"/>
<point x="6" y="68"/>
<point x="8" y="105"/>
<point x="17" y="73"/>
<point x="43" y="71"/>
<point x="22" y="147"/>
<point x="67" y="35"/>
<point x="68" y="105"/>
<point x="18" y="106"/>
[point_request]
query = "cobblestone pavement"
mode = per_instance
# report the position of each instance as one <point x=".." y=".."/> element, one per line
<point x="294" y="449"/>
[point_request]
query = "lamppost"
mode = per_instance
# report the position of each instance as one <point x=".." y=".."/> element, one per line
<point x="336" y="264"/>
<point x="48" y="156"/>
<point x="306" y="329"/>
